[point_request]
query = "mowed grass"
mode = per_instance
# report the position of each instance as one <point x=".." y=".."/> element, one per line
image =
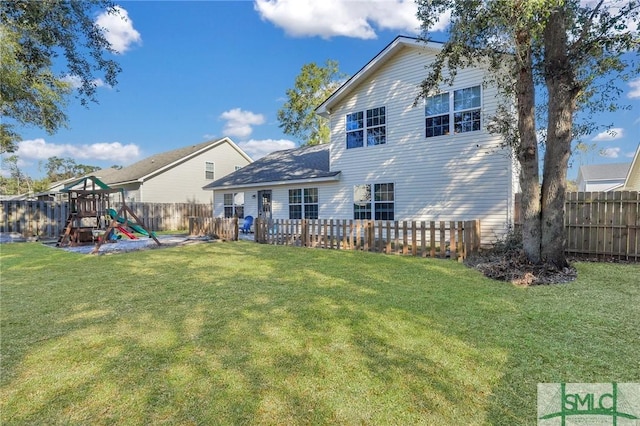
<point x="240" y="333"/>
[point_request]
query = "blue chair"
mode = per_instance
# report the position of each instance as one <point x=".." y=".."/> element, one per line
<point x="246" y="226"/>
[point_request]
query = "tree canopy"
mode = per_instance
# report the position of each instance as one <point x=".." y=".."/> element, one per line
<point x="312" y="86"/>
<point x="576" y="52"/>
<point x="44" y="44"/>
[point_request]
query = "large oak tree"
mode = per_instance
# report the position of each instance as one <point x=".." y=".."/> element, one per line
<point x="44" y="43"/>
<point x="574" y="52"/>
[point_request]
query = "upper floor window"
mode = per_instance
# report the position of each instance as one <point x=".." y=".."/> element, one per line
<point x="453" y="112"/>
<point x="303" y="203"/>
<point x="378" y="199"/>
<point x="208" y="170"/>
<point x="369" y="125"/>
<point x="234" y="204"/>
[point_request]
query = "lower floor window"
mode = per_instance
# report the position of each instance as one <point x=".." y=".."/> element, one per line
<point x="234" y="205"/>
<point x="377" y="200"/>
<point x="303" y="203"/>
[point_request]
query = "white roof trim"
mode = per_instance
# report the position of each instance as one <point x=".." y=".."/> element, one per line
<point x="635" y="163"/>
<point x="372" y="66"/>
<point x="334" y="178"/>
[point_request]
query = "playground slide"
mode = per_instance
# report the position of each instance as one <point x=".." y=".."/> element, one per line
<point x="137" y="228"/>
<point x="127" y="233"/>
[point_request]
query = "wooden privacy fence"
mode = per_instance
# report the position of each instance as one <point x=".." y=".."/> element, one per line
<point x="455" y="239"/>
<point x="601" y="224"/>
<point x="222" y="228"/>
<point x="46" y="219"/>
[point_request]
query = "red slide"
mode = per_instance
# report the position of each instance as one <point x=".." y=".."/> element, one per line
<point x="127" y="233"/>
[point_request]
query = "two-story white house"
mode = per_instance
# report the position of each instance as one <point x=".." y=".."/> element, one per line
<point x="389" y="159"/>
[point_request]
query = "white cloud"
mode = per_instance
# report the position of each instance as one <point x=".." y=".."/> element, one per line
<point x="118" y="29"/>
<point x="75" y="82"/>
<point x="610" y="152"/>
<point x="259" y="148"/>
<point x="331" y="18"/>
<point x="239" y="122"/>
<point x="609" y="135"/>
<point x="39" y="149"/>
<point x="634" y="93"/>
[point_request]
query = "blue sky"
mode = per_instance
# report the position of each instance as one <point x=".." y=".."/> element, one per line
<point x="194" y="71"/>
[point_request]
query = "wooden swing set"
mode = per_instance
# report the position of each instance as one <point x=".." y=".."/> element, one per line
<point x="91" y="219"/>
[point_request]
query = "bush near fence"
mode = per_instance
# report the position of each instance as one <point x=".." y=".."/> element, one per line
<point x="600" y="225"/>
<point x="456" y="240"/>
<point x="47" y="219"/>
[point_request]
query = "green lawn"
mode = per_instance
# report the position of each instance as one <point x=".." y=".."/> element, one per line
<point x="240" y="333"/>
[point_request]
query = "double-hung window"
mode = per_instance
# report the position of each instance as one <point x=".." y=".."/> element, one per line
<point x="453" y="112"/>
<point x="234" y="205"/>
<point x="378" y="199"/>
<point x="369" y="125"/>
<point x="209" y="170"/>
<point x="303" y="203"/>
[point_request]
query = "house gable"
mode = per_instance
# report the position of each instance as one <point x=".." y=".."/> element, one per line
<point x="178" y="175"/>
<point x="632" y="181"/>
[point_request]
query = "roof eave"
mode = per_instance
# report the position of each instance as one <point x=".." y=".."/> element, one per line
<point x="324" y="109"/>
<point x="332" y="178"/>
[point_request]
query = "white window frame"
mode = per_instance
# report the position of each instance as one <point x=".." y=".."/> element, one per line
<point x="230" y="209"/>
<point x="452" y="114"/>
<point x="366" y="196"/>
<point x="372" y="121"/>
<point x="209" y="167"/>
<point x="305" y="203"/>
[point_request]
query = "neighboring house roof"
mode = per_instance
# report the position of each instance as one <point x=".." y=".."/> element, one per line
<point x="299" y="164"/>
<point x="150" y="166"/>
<point x="372" y="66"/>
<point x="596" y="172"/>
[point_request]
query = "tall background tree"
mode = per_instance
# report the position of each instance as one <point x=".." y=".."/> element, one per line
<point x="17" y="182"/>
<point x="44" y="44"/>
<point x="312" y="86"/>
<point x="575" y="52"/>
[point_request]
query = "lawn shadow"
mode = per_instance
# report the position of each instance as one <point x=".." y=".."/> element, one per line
<point x="237" y="333"/>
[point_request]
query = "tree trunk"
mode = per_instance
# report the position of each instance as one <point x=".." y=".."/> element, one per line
<point x="562" y="88"/>
<point x="527" y="151"/>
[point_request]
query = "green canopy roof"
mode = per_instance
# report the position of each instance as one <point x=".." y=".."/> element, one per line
<point x="94" y="180"/>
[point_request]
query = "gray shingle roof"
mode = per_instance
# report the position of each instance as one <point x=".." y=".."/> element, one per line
<point x="149" y="165"/>
<point x="310" y="162"/>
<point x="605" y="171"/>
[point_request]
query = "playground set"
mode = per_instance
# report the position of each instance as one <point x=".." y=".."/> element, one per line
<point x="91" y="219"/>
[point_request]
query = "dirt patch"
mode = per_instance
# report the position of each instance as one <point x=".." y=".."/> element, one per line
<point x="127" y="245"/>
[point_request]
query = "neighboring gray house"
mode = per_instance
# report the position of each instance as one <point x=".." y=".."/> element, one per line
<point x="387" y="158"/>
<point x="602" y="177"/>
<point x="177" y="176"/>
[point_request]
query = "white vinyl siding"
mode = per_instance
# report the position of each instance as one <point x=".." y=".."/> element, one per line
<point x="461" y="177"/>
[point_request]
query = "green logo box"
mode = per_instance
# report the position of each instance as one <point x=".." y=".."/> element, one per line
<point x="566" y="404"/>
